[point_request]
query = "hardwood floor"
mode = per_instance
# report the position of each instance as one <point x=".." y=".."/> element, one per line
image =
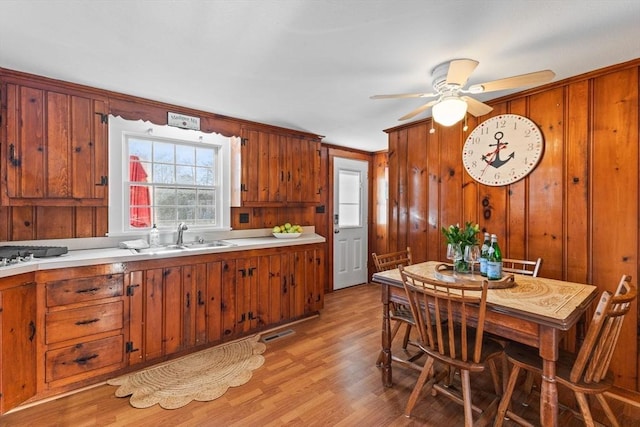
<point x="322" y="375"/>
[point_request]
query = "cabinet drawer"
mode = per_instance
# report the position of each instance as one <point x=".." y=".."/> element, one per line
<point x="84" y="357"/>
<point x="79" y="322"/>
<point x="71" y="291"/>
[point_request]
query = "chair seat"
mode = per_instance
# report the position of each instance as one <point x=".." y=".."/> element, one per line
<point x="527" y="357"/>
<point x="490" y="350"/>
<point x="403" y="313"/>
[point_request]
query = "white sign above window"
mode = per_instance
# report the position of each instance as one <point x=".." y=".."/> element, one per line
<point x="182" y="121"/>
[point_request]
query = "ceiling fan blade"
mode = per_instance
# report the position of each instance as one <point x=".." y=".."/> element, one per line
<point x="537" y="77"/>
<point x="460" y="70"/>
<point x="475" y="107"/>
<point x="418" y="110"/>
<point x="404" y="95"/>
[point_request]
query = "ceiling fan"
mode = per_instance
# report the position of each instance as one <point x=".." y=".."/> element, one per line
<point x="451" y="103"/>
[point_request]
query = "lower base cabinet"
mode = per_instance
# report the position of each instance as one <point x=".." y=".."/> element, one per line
<point x="18" y="338"/>
<point x="68" y="328"/>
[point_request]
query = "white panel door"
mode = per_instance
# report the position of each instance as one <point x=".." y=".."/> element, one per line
<point x="350" y="228"/>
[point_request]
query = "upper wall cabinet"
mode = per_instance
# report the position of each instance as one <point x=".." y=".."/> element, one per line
<point x="54" y="149"/>
<point x="279" y="170"/>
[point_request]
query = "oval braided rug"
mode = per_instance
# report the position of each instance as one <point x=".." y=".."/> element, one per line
<point x="203" y="376"/>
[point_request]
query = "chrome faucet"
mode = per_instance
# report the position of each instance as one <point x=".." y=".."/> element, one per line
<point x="181" y="227"/>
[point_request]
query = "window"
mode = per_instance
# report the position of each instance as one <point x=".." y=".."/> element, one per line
<point x="164" y="175"/>
<point x="349" y="209"/>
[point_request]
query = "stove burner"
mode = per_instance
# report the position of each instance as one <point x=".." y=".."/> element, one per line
<point x="15" y="260"/>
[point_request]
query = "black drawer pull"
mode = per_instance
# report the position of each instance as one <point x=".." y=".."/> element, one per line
<point x="32" y="328"/>
<point x="84" y="360"/>
<point x="87" y="322"/>
<point x="200" y="301"/>
<point x="87" y="291"/>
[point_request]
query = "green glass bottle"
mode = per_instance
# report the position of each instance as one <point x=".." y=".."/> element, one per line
<point x="484" y="252"/>
<point x="494" y="260"/>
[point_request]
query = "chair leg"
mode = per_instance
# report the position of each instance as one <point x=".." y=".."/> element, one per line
<point x="407" y="333"/>
<point x="607" y="410"/>
<point x="528" y="383"/>
<point x="584" y="408"/>
<point x="466" y="397"/>
<point x="495" y="377"/>
<point x="506" y="397"/>
<point x="427" y="371"/>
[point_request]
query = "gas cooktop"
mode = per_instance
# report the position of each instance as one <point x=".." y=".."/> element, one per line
<point x="36" y="251"/>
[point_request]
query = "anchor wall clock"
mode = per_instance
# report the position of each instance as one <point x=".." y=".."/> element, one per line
<point x="502" y="150"/>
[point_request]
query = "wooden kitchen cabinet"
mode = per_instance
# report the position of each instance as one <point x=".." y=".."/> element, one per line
<point x="84" y="323"/>
<point x="56" y="146"/>
<point x="279" y="170"/>
<point x="173" y="309"/>
<point x="239" y="306"/>
<point x="66" y="328"/>
<point x="155" y="313"/>
<point x="18" y="354"/>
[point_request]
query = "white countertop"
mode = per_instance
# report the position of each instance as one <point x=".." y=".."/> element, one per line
<point x="84" y="257"/>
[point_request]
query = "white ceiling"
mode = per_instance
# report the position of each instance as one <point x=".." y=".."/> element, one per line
<point x="309" y="65"/>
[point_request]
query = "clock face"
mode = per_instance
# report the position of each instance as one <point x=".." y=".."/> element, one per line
<point x="502" y="149"/>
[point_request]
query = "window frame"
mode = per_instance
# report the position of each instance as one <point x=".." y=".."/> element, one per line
<point x="119" y="210"/>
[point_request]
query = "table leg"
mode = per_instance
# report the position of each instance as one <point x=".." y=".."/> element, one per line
<point x="386" y="338"/>
<point x="549" y="341"/>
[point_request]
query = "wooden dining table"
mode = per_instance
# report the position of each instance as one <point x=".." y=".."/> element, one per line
<point x="532" y="310"/>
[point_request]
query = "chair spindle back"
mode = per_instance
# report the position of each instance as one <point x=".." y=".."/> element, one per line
<point x="594" y="357"/>
<point x="391" y="260"/>
<point x="440" y="298"/>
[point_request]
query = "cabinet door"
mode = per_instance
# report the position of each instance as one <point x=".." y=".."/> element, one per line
<point x="298" y="277"/>
<point x="270" y="289"/>
<point x="314" y="283"/>
<point x="228" y="299"/>
<point x="318" y="282"/>
<point x="57" y="147"/>
<point x="212" y="297"/>
<point x="156" y="316"/>
<point x="135" y="291"/>
<point x="174" y="309"/>
<point x="303" y="167"/>
<point x="194" y="279"/>
<point x="18" y="351"/>
<point x="153" y="315"/>
<point x="26" y="138"/>
<point x="247" y="276"/>
<point x="263" y="173"/>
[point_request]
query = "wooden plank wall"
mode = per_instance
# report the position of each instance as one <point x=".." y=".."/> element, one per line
<point x="578" y="209"/>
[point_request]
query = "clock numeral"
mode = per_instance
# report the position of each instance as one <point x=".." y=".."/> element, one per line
<point x="512" y="172"/>
<point x="474" y="164"/>
<point x="530" y="147"/>
<point x="497" y="175"/>
<point x="483" y="131"/>
<point x="527" y="133"/>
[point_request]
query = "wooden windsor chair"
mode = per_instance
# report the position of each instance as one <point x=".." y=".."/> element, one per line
<point x="399" y="314"/>
<point x="585" y="373"/>
<point x="528" y="268"/>
<point x="459" y="345"/>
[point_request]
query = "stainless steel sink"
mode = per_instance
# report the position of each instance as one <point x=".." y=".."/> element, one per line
<point x="160" y="249"/>
<point x="206" y="245"/>
<point x="173" y="248"/>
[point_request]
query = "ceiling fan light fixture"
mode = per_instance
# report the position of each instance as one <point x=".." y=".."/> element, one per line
<point x="449" y="111"/>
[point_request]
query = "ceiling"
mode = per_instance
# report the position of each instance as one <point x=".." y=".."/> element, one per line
<point x="309" y="65"/>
